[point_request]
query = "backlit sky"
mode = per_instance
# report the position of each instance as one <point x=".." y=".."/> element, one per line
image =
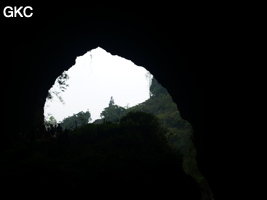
<point x="95" y="77"/>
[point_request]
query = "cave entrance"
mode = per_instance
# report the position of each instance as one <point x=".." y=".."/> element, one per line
<point x="86" y="92"/>
<point x="96" y="77"/>
<point x="98" y="80"/>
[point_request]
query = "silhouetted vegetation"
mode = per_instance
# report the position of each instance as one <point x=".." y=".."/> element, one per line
<point x="161" y="105"/>
<point x="76" y="120"/>
<point x="61" y="84"/>
<point x="178" y="132"/>
<point x="144" y="149"/>
<point x="133" y="156"/>
<point x="112" y="113"/>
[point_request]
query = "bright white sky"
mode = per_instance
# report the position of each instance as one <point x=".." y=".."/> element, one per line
<point x="93" y="81"/>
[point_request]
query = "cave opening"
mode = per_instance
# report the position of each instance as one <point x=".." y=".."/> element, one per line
<point x="155" y="100"/>
<point x="58" y="46"/>
<point x="92" y="81"/>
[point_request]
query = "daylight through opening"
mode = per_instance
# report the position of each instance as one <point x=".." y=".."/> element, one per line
<point x="92" y="81"/>
<point x="103" y="94"/>
<point x="102" y="88"/>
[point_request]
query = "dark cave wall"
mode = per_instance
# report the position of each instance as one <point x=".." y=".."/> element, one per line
<point x="58" y="43"/>
<point x="172" y="47"/>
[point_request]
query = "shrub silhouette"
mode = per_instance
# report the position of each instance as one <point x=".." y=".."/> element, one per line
<point x="132" y="157"/>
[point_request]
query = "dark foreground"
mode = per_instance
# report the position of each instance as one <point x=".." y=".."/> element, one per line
<point x="112" y="166"/>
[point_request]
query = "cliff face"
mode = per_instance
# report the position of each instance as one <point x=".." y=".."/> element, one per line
<point x="172" y="48"/>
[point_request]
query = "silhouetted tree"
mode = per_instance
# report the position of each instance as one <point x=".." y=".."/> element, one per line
<point x="112" y="113"/>
<point x="111" y="102"/>
<point x="61" y="87"/>
<point x="50" y="121"/>
<point x="76" y="120"/>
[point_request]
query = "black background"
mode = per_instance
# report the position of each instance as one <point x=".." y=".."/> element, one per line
<point x="207" y="40"/>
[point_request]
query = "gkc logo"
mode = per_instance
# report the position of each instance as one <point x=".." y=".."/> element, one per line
<point x="14" y="12"/>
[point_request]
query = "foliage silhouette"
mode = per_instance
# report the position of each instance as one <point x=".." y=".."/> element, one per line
<point x="112" y="113"/>
<point x="132" y="156"/>
<point x="76" y="120"/>
<point x="61" y="83"/>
